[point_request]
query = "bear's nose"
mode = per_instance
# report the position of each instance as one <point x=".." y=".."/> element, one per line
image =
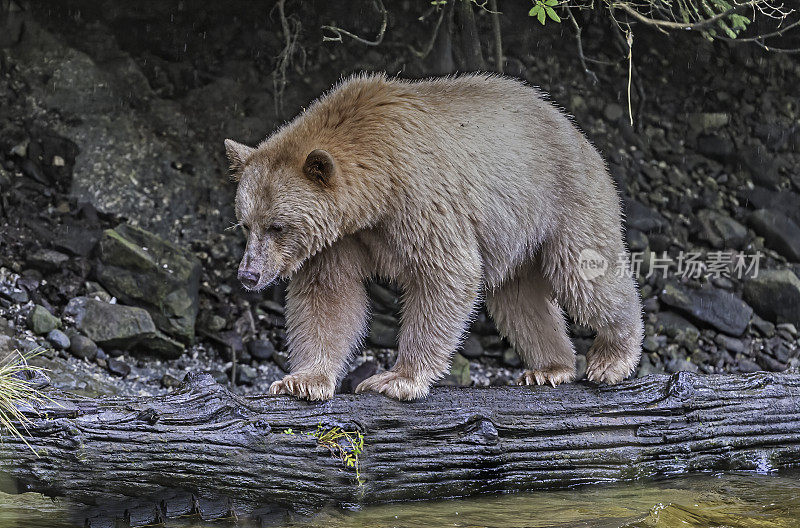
<point x="249" y="278"/>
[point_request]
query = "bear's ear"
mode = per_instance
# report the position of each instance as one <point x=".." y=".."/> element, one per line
<point x="237" y="156"/>
<point x="319" y="167"/>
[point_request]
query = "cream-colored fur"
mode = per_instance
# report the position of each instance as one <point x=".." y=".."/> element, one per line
<point x="457" y="188"/>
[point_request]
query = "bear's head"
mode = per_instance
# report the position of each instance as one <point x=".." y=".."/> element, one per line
<point x="286" y="204"/>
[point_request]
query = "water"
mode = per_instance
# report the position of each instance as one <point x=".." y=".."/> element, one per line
<point x="725" y="500"/>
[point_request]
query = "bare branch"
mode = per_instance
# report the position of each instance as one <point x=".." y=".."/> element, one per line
<point x="680" y="25"/>
<point x="378" y="38"/>
<point x="421" y="54"/>
<point x="579" y="42"/>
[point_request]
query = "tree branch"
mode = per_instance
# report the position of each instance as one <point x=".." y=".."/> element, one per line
<point x="378" y="38"/>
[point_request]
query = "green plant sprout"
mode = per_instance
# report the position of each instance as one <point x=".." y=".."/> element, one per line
<point x="344" y="445"/>
<point x="543" y="9"/>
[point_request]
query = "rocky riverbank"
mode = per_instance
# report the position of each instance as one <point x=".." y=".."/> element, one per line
<point x="117" y="262"/>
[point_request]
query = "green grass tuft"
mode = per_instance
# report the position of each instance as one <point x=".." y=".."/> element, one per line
<point x="15" y="389"/>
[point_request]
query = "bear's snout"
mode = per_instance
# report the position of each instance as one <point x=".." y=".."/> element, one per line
<point x="249" y="278"/>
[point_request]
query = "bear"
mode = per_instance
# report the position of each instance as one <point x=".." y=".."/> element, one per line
<point x="458" y="189"/>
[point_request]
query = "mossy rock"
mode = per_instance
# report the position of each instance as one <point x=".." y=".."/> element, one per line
<point x="40" y="321"/>
<point x="143" y="270"/>
<point x="122" y="327"/>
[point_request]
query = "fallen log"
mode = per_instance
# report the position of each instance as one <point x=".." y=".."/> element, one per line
<point x="203" y="450"/>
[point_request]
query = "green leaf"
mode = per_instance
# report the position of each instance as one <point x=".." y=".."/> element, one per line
<point x="552" y="14"/>
<point x="540" y="15"/>
<point x="535" y="10"/>
<point x="551" y="2"/>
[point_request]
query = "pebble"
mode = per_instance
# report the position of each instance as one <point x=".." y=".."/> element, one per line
<point x="746" y="365"/>
<point x="261" y="349"/>
<point x="246" y="375"/>
<point x="58" y="339"/>
<point x="472" y="348"/>
<point x="82" y="347"/>
<point x="729" y="343"/>
<point x="511" y="358"/>
<point x="789" y="328"/>
<point x="170" y="382"/>
<point x="41" y="321"/>
<point x="118" y="367"/>
<point x="357" y="375"/>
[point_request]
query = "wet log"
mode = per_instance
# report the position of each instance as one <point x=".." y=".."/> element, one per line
<point x="205" y="451"/>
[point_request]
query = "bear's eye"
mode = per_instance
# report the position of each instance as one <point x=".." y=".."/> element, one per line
<point x="275" y="228"/>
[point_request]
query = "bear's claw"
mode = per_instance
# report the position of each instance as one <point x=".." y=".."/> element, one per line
<point x="553" y="375"/>
<point x="394" y="385"/>
<point x="307" y="386"/>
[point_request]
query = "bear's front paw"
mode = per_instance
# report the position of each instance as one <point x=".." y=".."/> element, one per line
<point x="394" y="385"/>
<point x="554" y="375"/>
<point x="308" y="386"/>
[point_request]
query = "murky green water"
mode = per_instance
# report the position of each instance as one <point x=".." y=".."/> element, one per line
<point x="707" y="501"/>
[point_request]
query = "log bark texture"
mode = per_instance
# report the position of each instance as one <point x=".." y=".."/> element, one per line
<point x="206" y="451"/>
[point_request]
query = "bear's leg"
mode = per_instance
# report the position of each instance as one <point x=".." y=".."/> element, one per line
<point x="524" y="311"/>
<point x="326" y="313"/>
<point x="606" y="301"/>
<point x="436" y="310"/>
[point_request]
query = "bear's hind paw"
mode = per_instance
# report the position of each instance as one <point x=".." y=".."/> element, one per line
<point x="304" y="385"/>
<point x="394" y="385"/>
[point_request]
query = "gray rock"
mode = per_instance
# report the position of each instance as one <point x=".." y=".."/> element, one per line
<point x="459" y="373"/>
<point x="5" y="180"/>
<point x="746" y="365"/>
<point x="383" y="332"/>
<point x="118" y="367"/>
<point x="720" y="230"/>
<point x="718" y="308"/>
<point x="637" y="241"/>
<point x="472" y="347"/>
<point x="735" y="346"/>
<point x="127" y="136"/>
<point x="719" y="147"/>
<point x="58" y="339"/>
<point x="123" y="327"/>
<point x="785" y="201"/>
<point x="5" y="327"/>
<point x="705" y="122"/>
<point x="580" y="366"/>
<point x="765" y="328"/>
<point x="82" y="347"/>
<point x="143" y="270"/>
<point x="779" y="231"/>
<point x="511" y="358"/>
<point x="15" y="295"/>
<point x="170" y="382"/>
<point x="680" y="365"/>
<point x="40" y="321"/>
<point x="788" y="328"/>
<point x="762" y="166"/>
<point x="642" y="218"/>
<point x="651" y="344"/>
<point x="246" y="375"/>
<point x="613" y="112"/>
<point x="261" y="349"/>
<point x="76" y="240"/>
<point x="357" y="375"/>
<point x="47" y="260"/>
<point x="281" y="358"/>
<point x="775" y="295"/>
